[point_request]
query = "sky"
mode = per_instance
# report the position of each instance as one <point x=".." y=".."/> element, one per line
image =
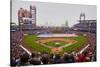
<point x="55" y="14"/>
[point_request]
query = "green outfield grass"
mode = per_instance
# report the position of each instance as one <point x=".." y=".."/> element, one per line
<point x="81" y="41"/>
<point x="30" y="41"/>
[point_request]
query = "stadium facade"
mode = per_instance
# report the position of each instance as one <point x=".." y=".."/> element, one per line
<point x="27" y="24"/>
<point x="27" y="19"/>
<point x="85" y="25"/>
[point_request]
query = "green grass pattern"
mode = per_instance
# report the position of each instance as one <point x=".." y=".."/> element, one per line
<point x="29" y="40"/>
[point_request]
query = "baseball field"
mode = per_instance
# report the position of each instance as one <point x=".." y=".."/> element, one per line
<point x="54" y="44"/>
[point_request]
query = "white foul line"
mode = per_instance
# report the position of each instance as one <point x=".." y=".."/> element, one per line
<point x="84" y="49"/>
<point x="25" y="49"/>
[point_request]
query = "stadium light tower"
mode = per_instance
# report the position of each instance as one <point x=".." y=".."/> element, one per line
<point x="33" y="15"/>
<point x="82" y="15"/>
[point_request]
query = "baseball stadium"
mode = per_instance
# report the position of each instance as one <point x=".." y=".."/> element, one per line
<point x="32" y="44"/>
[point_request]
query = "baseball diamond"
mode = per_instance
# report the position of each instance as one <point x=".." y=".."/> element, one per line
<point x="52" y="44"/>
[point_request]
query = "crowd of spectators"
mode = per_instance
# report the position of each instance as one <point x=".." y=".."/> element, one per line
<point x="20" y="57"/>
<point x="37" y="58"/>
